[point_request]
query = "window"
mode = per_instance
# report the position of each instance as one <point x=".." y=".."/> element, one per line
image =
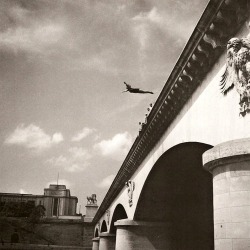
<point x="55" y="207"/>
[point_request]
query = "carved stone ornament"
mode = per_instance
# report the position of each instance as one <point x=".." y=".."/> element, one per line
<point x="108" y="215"/>
<point x="130" y="188"/>
<point x="237" y="72"/>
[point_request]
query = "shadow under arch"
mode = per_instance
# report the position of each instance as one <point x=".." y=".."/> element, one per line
<point x="104" y="227"/>
<point x="179" y="191"/>
<point x="119" y="214"/>
<point x="96" y="233"/>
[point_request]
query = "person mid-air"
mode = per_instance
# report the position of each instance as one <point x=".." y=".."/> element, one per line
<point x="136" y="90"/>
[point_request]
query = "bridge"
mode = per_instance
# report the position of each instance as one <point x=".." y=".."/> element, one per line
<point x="185" y="183"/>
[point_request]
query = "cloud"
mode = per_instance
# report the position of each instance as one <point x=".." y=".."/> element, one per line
<point x="117" y="147"/>
<point x="76" y="160"/>
<point x="143" y="22"/>
<point x="82" y="134"/>
<point x="75" y="168"/>
<point x="106" y="182"/>
<point x="79" y="153"/>
<point x="33" y="137"/>
<point x="28" y="28"/>
<point x="144" y="26"/>
<point x="57" y="138"/>
<point x="34" y="38"/>
<point x="102" y="62"/>
<point x="153" y="16"/>
<point x="58" y="161"/>
<point x="141" y="32"/>
<point x="22" y="191"/>
<point x="146" y="22"/>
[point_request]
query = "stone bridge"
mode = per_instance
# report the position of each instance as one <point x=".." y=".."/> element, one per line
<point x="185" y="183"/>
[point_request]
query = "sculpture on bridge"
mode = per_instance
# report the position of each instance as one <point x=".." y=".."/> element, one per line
<point x="92" y="199"/>
<point x="237" y="71"/>
<point x="108" y="215"/>
<point x="130" y="188"/>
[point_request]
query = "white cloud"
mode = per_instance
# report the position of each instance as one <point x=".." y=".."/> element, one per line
<point x="79" y="153"/>
<point x="33" y="137"/>
<point x="58" y="161"/>
<point x="142" y="25"/>
<point x="18" y="13"/>
<point x="106" y="182"/>
<point x="75" y="168"/>
<point x="76" y="160"/>
<point x="141" y="31"/>
<point x="83" y="133"/>
<point x="121" y="8"/>
<point x="35" y="38"/>
<point x="22" y="191"/>
<point x="97" y="137"/>
<point x="144" y="22"/>
<point x="117" y="147"/>
<point x="57" y="138"/>
<point x="153" y="16"/>
<point x="97" y="62"/>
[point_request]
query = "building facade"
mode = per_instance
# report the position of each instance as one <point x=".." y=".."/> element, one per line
<point x="56" y="200"/>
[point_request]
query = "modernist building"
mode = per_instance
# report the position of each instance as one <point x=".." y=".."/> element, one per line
<point x="56" y="200"/>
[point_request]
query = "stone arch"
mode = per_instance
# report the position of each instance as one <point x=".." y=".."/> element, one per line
<point x="179" y="191"/>
<point x="96" y="233"/>
<point x="104" y="227"/>
<point x="119" y="214"/>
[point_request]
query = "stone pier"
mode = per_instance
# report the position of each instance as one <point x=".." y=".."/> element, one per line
<point x="137" y="235"/>
<point x="95" y="243"/>
<point x="230" y="165"/>
<point x="107" y="241"/>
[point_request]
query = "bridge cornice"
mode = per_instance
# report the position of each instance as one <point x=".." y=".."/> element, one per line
<point x="219" y="22"/>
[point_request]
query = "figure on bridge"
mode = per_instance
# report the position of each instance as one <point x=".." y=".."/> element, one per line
<point x="237" y="71"/>
<point x="130" y="189"/>
<point x="136" y="90"/>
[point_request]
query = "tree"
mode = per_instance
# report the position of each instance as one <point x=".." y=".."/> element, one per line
<point x="37" y="213"/>
<point x="16" y="209"/>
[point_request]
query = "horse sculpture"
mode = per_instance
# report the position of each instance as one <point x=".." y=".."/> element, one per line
<point x="91" y="199"/>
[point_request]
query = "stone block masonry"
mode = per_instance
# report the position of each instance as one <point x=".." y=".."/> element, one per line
<point x="49" y="232"/>
<point x="230" y="165"/>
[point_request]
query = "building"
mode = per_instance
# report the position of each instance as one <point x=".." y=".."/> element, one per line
<point x="56" y="199"/>
<point x="66" y="230"/>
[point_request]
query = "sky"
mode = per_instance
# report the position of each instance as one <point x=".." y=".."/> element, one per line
<point x="62" y="68"/>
